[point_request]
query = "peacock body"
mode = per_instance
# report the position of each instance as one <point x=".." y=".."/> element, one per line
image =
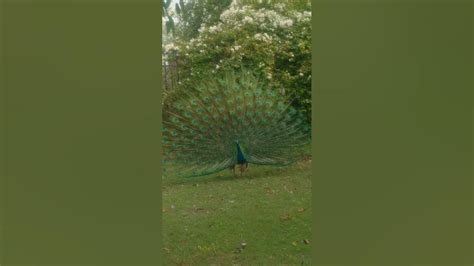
<point x="231" y="121"/>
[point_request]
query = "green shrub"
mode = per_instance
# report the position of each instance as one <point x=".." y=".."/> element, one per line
<point x="275" y="43"/>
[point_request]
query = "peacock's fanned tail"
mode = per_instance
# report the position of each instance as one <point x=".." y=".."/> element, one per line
<point x="200" y="132"/>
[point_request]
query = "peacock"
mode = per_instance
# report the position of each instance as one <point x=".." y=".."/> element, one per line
<point x="230" y="122"/>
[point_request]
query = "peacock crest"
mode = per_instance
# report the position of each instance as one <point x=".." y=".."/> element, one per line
<point x="234" y="120"/>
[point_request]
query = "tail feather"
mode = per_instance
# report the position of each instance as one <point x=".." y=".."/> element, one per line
<point x="200" y="131"/>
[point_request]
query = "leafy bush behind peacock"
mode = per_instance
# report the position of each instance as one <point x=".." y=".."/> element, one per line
<point x="274" y="43"/>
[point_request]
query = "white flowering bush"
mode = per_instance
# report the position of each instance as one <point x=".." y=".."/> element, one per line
<point x="275" y="43"/>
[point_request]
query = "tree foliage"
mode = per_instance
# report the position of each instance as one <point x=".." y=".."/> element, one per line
<point x="193" y="14"/>
<point x="274" y="40"/>
<point x="169" y="23"/>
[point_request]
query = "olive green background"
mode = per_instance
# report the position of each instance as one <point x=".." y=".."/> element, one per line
<point x="80" y="132"/>
<point x="80" y="119"/>
<point x="393" y="132"/>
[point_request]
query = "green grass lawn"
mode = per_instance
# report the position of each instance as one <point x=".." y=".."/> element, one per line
<point x="206" y="219"/>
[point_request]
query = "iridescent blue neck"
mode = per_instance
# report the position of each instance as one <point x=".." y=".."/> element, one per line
<point x="240" y="154"/>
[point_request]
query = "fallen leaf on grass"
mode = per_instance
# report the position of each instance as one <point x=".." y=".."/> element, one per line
<point x="240" y="248"/>
<point x="306" y="241"/>
<point x="285" y="217"/>
<point x="301" y="209"/>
